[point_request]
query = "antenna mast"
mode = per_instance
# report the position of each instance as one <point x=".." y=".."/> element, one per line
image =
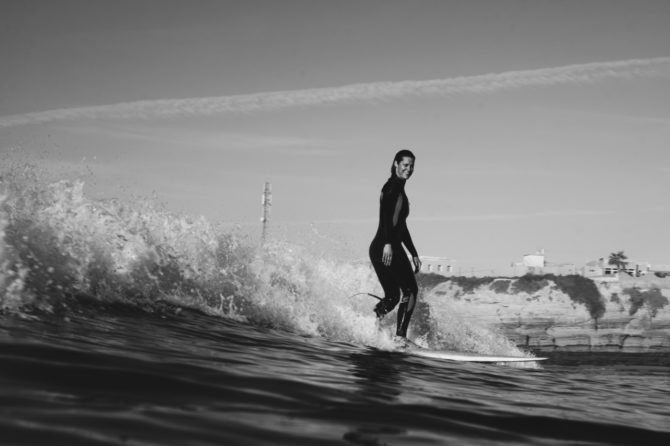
<point x="267" y="203"/>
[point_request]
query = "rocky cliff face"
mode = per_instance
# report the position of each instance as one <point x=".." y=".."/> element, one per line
<point x="621" y="314"/>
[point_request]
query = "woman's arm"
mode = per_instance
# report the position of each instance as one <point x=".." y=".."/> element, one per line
<point x="407" y="240"/>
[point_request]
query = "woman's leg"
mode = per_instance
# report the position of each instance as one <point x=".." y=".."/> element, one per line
<point x="405" y="310"/>
<point x="399" y="275"/>
<point x="390" y="287"/>
<point x="410" y="291"/>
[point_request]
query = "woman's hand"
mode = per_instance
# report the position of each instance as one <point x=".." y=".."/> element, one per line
<point x="417" y="264"/>
<point x="387" y="255"/>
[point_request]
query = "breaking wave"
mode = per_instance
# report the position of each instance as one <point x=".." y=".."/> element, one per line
<point x="59" y="248"/>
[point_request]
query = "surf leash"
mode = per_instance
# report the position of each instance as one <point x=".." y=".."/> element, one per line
<point x="368" y="294"/>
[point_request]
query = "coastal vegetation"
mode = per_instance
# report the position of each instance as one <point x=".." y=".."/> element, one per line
<point x="618" y="259"/>
<point x="500" y="286"/>
<point x="653" y="299"/>
<point x="529" y="284"/>
<point x="582" y="290"/>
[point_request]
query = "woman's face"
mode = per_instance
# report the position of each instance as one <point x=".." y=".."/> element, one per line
<point x="404" y="168"/>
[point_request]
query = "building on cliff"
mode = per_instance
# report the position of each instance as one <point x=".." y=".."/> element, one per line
<point x="537" y="263"/>
<point x="429" y="264"/>
<point x="600" y="267"/>
<point x="437" y="265"/>
<point x="530" y="264"/>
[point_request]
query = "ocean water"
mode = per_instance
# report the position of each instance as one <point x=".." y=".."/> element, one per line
<point x="121" y="323"/>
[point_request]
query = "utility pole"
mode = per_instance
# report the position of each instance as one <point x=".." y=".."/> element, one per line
<point x="267" y="203"/>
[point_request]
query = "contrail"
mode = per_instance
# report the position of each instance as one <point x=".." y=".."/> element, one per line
<point x="355" y="93"/>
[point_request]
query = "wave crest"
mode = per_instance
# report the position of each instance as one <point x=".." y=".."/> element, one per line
<point x="57" y="247"/>
<point x="57" y="244"/>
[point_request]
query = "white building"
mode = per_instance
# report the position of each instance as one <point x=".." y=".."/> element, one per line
<point x="436" y="265"/>
<point x="429" y="264"/>
<point x="530" y="264"/>
<point x="533" y="261"/>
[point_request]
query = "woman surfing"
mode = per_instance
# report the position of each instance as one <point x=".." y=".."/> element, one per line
<point x="387" y="255"/>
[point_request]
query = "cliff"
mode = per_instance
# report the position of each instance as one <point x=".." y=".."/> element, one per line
<point x="563" y="313"/>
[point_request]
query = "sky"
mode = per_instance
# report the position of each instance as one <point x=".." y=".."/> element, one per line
<point x="536" y="124"/>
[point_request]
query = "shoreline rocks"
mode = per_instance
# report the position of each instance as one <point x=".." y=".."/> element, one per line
<point x="554" y="313"/>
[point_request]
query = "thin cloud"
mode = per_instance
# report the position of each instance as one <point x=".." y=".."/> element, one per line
<point x="203" y="139"/>
<point x="479" y="217"/>
<point x="511" y="216"/>
<point x="355" y="93"/>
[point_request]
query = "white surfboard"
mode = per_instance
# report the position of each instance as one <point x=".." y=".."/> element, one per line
<point x="467" y="357"/>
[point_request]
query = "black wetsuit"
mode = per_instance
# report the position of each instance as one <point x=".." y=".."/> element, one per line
<point x="398" y="277"/>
